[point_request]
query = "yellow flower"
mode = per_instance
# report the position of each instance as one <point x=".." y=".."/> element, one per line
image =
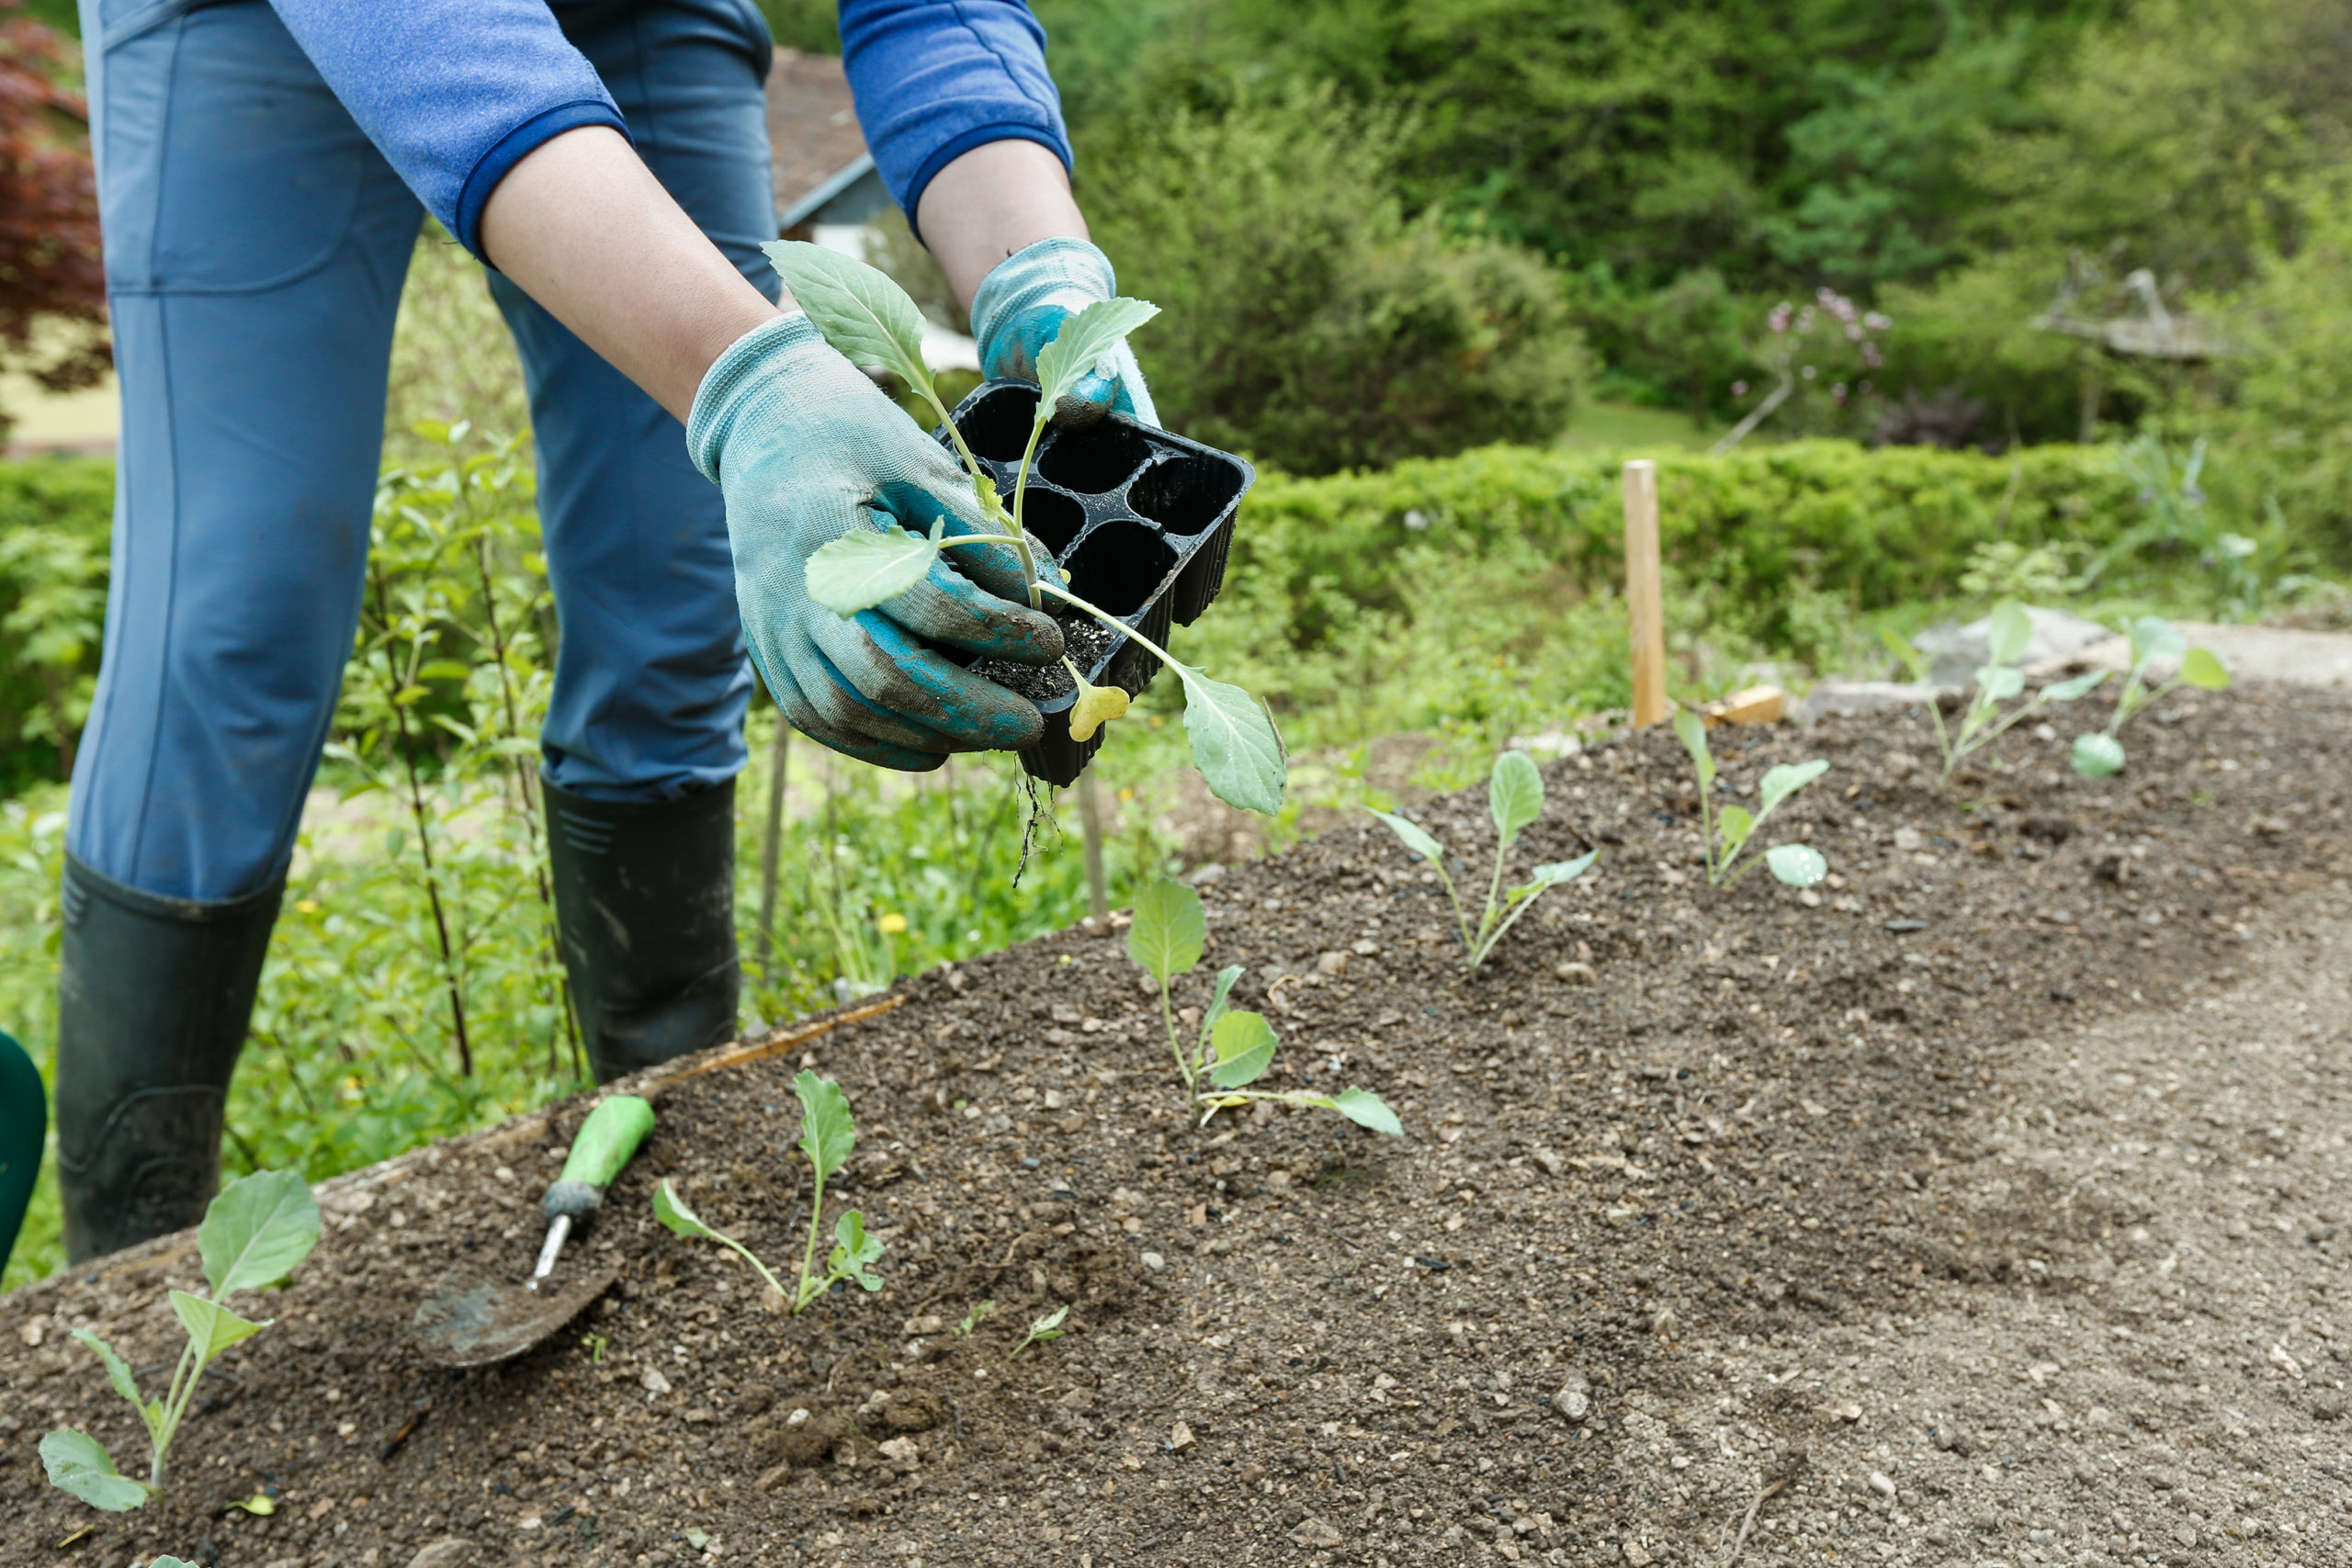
<point x="308" y="907"/>
<point x="892" y="924"/>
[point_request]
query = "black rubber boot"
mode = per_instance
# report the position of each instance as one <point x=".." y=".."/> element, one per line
<point x="645" y="899"/>
<point x="153" y="996"/>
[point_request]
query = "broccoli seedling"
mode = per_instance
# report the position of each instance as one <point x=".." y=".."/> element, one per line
<point x="828" y="1133"/>
<point x="255" y="1232"/>
<point x="1232" y="1050"/>
<point x="869" y="318"/>
<point x="1046" y="1327"/>
<point x="1724" y="834"/>
<point x="972" y="1319"/>
<point x="1514" y="799"/>
<point x="1982" y="722"/>
<point x="2099" y="753"/>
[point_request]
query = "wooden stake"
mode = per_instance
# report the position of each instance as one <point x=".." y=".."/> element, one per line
<point x="1645" y="594"/>
<point x="772" y="840"/>
<point x="1089" y="818"/>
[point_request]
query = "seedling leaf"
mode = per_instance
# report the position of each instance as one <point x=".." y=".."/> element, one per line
<point x="118" y="1369"/>
<point x="2153" y="639"/>
<point x="79" y="1464"/>
<point x="854" y="1253"/>
<point x="2200" y="668"/>
<point x="1998" y="683"/>
<point x="972" y="1319"/>
<point x="1415" y="838"/>
<point x="257" y="1231"/>
<point x="2096" y="756"/>
<point x="1692" y="733"/>
<point x="1366" y="1108"/>
<point x="1782" y="782"/>
<point x="1514" y="793"/>
<point x="2011" y="631"/>
<point x="2069" y="691"/>
<point x="212" y="1326"/>
<point x="861" y="311"/>
<point x="867" y="567"/>
<point x="1168" y="932"/>
<point x="1241" y="1047"/>
<point x="1226" y="978"/>
<point x="1556" y="872"/>
<point x="1735" y="824"/>
<point x="1910" y="658"/>
<point x="672" y="1211"/>
<point x="1095" y="707"/>
<point x="1082" y="342"/>
<point x="1234" y="743"/>
<point x="1046" y="1327"/>
<point x="1799" y="865"/>
<point x="828" y="1132"/>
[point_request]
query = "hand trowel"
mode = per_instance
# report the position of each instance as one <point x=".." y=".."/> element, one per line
<point x="471" y="1321"/>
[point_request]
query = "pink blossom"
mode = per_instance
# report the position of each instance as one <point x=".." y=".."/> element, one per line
<point x="1739" y="389"/>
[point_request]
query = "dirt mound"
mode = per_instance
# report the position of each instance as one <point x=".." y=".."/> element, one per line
<point x="1701" y="1192"/>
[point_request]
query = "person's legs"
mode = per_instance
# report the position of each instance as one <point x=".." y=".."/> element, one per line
<point x="255" y="248"/>
<point x="644" y="736"/>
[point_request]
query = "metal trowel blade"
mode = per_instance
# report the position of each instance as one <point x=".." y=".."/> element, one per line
<point x="469" y="1321"/>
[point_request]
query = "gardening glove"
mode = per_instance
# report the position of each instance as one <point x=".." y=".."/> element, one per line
<point x="806" y="449"/>
<point x="1022" y="304"/>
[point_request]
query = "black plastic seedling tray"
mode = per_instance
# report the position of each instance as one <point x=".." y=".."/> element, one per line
<point x="1141" y="520"/>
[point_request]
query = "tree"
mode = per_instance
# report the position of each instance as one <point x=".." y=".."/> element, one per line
<point x="52" y="275"/>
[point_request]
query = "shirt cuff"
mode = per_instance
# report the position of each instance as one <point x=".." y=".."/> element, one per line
<point x="979" y="136"/>
<point x="512" y="149"/>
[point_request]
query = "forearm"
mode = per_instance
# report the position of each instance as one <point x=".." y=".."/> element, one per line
<point x="582" y="226"/>
<point x="990" y="202"/>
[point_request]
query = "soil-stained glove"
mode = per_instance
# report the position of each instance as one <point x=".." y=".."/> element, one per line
<point x="806" y="449"/>
<point x="1021" y="304"/>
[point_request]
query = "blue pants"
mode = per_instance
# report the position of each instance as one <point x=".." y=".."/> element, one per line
<point x="255" y="245"/>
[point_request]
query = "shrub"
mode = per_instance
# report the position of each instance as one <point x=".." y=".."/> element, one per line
<point x="1323" y="328"/>
<point x="56" y="514"/>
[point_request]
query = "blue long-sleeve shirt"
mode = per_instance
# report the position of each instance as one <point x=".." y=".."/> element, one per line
<point x="457" y="91"/>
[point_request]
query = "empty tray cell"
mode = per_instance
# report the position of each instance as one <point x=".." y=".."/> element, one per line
<point x="1095" y="459"/>
<point x="1053" y="519"/>
<point x="1186" y="495"/>
<point x="996" y="424"/>
<point x="1119" y="566"/>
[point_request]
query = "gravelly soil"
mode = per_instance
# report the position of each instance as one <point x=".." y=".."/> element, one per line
<point x="1983" y="1210"/>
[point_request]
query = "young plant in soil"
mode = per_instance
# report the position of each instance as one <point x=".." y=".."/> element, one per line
<point x="1233" y="1050"/>
<point x="869" y="318"/>
<point x="2098" y="754"/>
<point x="1983" y="722"/>
<point x="828" y="1133"/>
<point x="256" y="1233"/>
<point x="1514" y="799"/>
<point x="1046" y="1327"/>
<point x="1724" y="834"/>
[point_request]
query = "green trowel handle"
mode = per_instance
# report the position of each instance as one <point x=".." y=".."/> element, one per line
<point x="606" y="1140"/>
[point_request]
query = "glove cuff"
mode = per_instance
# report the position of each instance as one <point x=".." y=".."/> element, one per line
<point x="1065" y="272"/>
<point x="744" y="364"/>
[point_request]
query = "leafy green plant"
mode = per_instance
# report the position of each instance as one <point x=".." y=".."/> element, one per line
<point x="1046" y="1327"/>
<point x="1514" y="799"/>
<point x="255" y="1232"/>
<point x="1231" y="1050"/>
<point x="870" y="319"/>
<point x="1724" y="834"/>
<point x="828" y="1133"/>
<point x="2153" y="641"/>
<point x="1983" y="722"/>
<point x="973" y="1319"/>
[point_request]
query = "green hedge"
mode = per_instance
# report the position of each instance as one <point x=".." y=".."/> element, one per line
<point x="55" y="518"/>
<point x="1874" y="528"/>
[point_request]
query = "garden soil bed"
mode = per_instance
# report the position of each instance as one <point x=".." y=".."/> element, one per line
<point x="1986" y="1209"/>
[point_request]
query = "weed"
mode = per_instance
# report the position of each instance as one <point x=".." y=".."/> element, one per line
<point x="868" y="317"/>
<point x="255" y="1232"/>
<point x="972" y="1319"/>
<point x="1233" y="1050"/>
<point x="1724" y="834"/>
<point x="2153" y="641"/>
<point x="1514" y="799"/>
<point x="828" y="1133"/>
<point x="2009" y="632"/>
<point x="1046" y="1327"/>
